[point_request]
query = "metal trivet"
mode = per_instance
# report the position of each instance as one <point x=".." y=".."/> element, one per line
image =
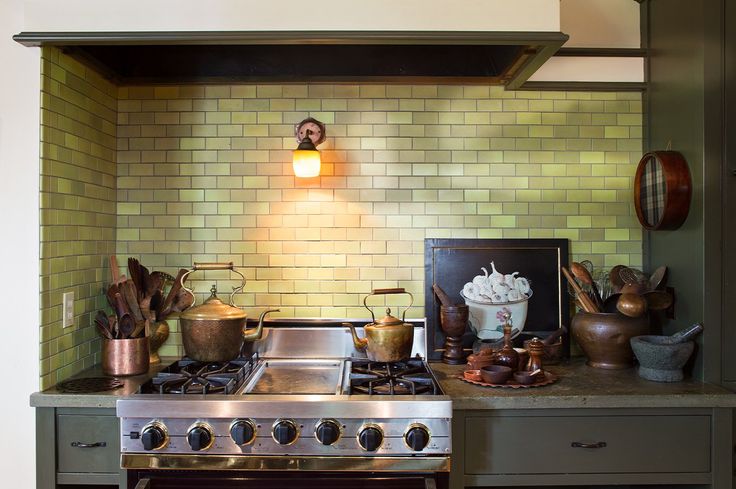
<point x="89" y="384"/>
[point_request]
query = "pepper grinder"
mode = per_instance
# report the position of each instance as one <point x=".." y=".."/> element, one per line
<point x="536" y="352"/>
<point x="507" y="355"/>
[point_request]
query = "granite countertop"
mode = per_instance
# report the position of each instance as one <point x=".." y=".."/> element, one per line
<point x="580" y="386"/>
<point x="52" y="397"/>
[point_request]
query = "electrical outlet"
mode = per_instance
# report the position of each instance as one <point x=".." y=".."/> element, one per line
<point x="67" y="300"/>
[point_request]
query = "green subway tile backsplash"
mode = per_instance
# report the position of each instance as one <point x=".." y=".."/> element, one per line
<point x="78" y="208"/>
<point x="178" y="174"/>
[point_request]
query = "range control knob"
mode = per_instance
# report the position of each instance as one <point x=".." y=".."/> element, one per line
<point x="154" y="436"/>
<point x="284" y="432"/>
<point x="370" y="438"/>
<point x="417" y="437"/>
<point x="200" y="437"/>
<point x="327" y="432"/>
<point x="243" y="431"/>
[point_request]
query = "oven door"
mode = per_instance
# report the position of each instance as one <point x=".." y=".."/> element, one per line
<point x="174" y="479"/>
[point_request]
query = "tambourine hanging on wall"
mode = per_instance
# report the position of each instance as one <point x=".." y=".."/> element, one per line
<point x="662" y="190"/>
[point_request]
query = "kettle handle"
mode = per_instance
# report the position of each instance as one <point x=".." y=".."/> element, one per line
<point x="213" y="266"/>
<point x="398" y="290"/>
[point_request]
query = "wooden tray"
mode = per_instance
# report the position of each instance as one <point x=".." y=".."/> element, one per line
<point x="549" y="378"/>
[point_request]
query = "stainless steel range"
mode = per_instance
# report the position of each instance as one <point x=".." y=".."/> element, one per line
<point x="302" y="404"/>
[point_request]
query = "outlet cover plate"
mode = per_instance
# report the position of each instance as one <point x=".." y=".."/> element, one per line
<point x="67" y="309"/>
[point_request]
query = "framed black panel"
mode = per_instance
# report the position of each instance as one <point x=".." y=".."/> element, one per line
<point x="451" y="263"/>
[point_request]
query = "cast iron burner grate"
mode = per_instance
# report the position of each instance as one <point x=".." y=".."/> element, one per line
<point x="392" y="379"/>
<point x="188" y="376"/>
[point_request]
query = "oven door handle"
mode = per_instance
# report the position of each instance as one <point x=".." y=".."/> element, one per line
<point x="428" y="483"/>
<point x="143" y="484"/>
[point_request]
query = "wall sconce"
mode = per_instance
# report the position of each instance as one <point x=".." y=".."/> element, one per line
<point x="306" y="159"/>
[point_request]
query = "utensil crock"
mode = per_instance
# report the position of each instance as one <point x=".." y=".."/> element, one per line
<point x="125" y="356"/>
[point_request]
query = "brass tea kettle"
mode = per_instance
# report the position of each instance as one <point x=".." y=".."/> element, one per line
<point x="389" y="339"/>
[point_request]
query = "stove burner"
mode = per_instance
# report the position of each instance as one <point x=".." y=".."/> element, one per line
<point x="396" y="378"/>
<point x="191" y="377"/>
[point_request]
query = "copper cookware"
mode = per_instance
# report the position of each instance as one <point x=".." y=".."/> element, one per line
<point x="215" y="331"/>
<point x="125" y="356"/>
<point x="604" y="338"/>
<point x="389" y="339"/>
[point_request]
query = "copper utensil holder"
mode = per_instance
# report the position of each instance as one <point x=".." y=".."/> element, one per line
<point x="125" y="357"/>
<point x="453" y="320"/>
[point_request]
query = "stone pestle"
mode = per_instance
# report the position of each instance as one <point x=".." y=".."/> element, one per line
<point x="686" y="334"/>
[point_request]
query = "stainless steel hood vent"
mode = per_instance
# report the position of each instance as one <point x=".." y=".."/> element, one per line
<point x="499" y="58"/>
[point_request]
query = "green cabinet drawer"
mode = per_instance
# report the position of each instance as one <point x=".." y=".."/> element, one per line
<point x="76" y="431"/>
<point x="565" y="444"/>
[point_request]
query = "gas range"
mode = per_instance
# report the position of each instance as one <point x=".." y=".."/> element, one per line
<point x="267" y="410"/>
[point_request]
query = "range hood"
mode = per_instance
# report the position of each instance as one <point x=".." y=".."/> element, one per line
<point x="499" y="58"/>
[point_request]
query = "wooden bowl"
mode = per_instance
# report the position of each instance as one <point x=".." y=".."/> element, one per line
<point x="525" y="377"/>
<point x="495" y="374"/>
<point x="473" y="375"/>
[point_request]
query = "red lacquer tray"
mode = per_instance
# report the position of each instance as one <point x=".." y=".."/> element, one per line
<point x="549" y="378"/>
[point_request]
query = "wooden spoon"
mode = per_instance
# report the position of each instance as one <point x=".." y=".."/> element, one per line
<point x="583" y="274"/>
<point x="631" y="305"/>
<point x="131" y="297"/>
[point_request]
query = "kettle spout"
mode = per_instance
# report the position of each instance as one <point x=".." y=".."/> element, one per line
<point x="257" y="332"/>
<point x="360" y="343"/>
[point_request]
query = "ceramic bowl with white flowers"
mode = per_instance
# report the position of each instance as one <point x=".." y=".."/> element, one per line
<point x="490" y="296"/>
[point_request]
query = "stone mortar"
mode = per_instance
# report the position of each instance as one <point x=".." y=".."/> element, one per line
<point x="660" y="360"/>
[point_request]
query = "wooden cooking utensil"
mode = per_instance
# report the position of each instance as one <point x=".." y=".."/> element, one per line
<point x="631" y="276"/>
<point x="131" y="297"/>
<point x="140" y="327"/>
<point x="588" y="304"/>
<point x="657" y="300"/>
<point x="609" y="305"/>
<point x="631" y="305"/>
<point x="169" y="301"/>
<point x="126" y="323"/>
<point x="583" y="274"/>
<point x="135" y="273"/>
<point x="658" y="278"/>
<point x="442" y="295"/>
<point x="103" y="325"/>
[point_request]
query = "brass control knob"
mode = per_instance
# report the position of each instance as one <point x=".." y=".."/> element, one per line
<point x="327" y="432"/>
<point x="285" y="432"/>
<point x="154" y="436"/>
<point x="243" y="431"/>
<point x="417" y="437"/>
<point x="370" y="438"/>
<point x="200" y="437"/>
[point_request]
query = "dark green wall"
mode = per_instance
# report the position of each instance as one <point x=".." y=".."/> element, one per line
<point x="675" y="108"/>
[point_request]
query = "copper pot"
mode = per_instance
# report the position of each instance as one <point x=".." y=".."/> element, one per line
<point x="125" y="356"/>
<point x="215" y="331"/>
<point x="604" y="337"/>
<point x="389" y="339"/>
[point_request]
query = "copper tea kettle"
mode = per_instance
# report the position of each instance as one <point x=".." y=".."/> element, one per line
<point x="389" y="339"/>
<point x="215" y="331"/>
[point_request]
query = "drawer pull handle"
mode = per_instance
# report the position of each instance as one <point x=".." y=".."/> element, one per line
<point x="577" y="444"/>
<point x="80" y="444"/>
